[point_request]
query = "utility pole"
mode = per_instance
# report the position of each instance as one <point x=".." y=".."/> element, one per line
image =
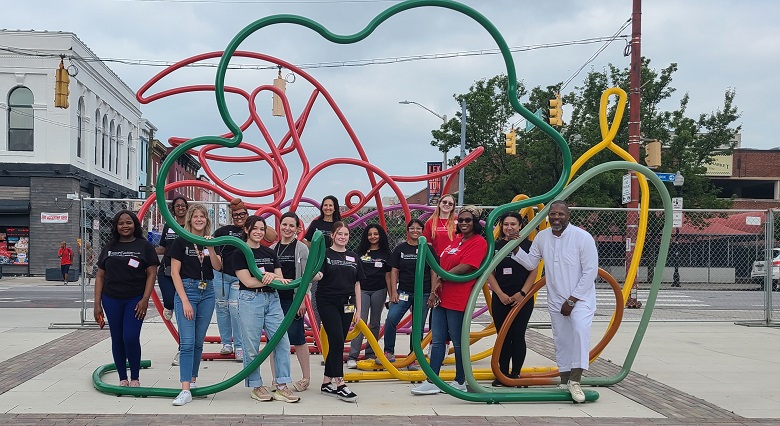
<point x="634" y="140"/>
<point x="462" y="174"/>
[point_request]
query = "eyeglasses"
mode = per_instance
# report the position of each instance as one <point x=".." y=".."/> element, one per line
<point x="448" y="203"/>
<point x="465" y="220"/>
<point x="238" y="215"/>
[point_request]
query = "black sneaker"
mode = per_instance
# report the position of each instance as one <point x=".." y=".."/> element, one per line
<point x="497" y="383"/>
<point x="329" y="390"/>
<point x="344" y="394"/>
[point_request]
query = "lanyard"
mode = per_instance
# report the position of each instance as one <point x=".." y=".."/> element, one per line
<point x="201" y="255"/>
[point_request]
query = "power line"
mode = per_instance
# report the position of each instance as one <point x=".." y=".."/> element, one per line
<point x="287" y="2"/>
<point x="601" y="49"/>
<point x="331" y="64"/>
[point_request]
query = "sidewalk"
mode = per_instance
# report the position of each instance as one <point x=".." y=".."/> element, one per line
<point x="685" y="373"/>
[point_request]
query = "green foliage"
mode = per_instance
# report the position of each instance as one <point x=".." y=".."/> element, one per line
<point x="689" y="143"/>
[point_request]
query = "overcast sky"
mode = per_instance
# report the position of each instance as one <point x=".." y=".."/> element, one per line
<point x="717" y="45"/>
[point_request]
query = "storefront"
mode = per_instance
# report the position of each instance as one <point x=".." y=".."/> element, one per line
<point x="15" y="236"/>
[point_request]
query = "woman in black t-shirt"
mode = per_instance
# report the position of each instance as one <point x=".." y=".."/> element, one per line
<point x="339" y="283"/>
<point x="510" y="282"/>
<point x="329" y="213"/>
<point x="403" y="262"/>
<point x="179" y="208"/>
<point x="125" y="280"/>
<point x="192" y="270"/>
<point x="374" y="251"/>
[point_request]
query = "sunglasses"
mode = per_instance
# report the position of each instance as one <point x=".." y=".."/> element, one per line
<point x="448" y="203"/>
<point x="238" y="215"/>
<point x="465" y="220"/>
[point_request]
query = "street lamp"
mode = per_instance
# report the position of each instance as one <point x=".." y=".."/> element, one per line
<point x="462" y="144"/>
<point x="679" y="180"/>
<point x="444" y="121"/>
<point x="231" y="175"/>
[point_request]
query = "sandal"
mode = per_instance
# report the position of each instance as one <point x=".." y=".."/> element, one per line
<point x="124" y="383"/>
<point x="301" y="385"/>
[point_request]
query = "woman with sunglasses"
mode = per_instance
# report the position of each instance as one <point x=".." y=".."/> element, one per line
<point x="440" y="229"/>
<point x="510" y="282"/>
<point x="449" y="298"/>
<point x="226" y="283"/>
<point x="374" y="251"/>
<point x="403" y="262"/>
<point x="179" y="208"/>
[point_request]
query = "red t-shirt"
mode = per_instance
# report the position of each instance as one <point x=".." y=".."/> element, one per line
<point x="442" y="239"/>
<point x="66" y="256"/>
<point x="454" y="295"/>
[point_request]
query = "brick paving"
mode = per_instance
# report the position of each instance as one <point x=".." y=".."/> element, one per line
<point x="661" y="398"/>
<point x="23" y="367"/>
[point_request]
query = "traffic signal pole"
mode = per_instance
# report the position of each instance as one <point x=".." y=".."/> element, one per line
<point x="634" y="140"/>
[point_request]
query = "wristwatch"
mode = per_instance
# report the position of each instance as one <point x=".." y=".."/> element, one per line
<point x="570" y="302"/>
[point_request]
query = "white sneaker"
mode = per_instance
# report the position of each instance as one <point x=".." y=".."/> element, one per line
<point x="239" y="355"/>
<point x="351" y="364"/>
<point x="226" y="350"/>
<point x="168" y="314"/>
<point x="175" y="361"/>
<point x="576" y="391"/>
<point x="426" y="388"/>
<point x="458" y="386"/>
<point x="184" y="397"/>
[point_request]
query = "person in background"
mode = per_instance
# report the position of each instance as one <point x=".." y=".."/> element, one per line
<point x="571" y="264"/>
<point x="124" y="281"/>
<point x="179" y="207"/>
<point x="440" y="228"/>
<point x="510" y="283"/>
<point x="339" y="305"/>
<point x="66" y="259"/>
<point x="192" y="270"/>
<point x="226" y="283"/>
<point x="449" y="299"/>
<point x="260" y="310"/>
<point x="330" y="212"/>
<point x="374" y="251"/>
<point x="292" y="255"/>
<point x="403" y="262"/>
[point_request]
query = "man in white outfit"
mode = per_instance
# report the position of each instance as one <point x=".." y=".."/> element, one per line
<point x="570" y="267"/>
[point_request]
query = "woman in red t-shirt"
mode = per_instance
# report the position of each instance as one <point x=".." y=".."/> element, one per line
<point x="439" y="230"/>
<point x="449" y="299"/>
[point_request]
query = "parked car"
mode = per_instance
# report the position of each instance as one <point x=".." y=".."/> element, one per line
<point x="758" y="272"/>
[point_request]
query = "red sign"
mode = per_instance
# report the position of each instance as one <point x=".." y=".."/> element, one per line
<point x="434" y="184"/>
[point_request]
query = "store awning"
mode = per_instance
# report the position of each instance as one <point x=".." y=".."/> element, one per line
<point x="14" y="207"/>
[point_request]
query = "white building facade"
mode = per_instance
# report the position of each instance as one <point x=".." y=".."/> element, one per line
<point x="90" y="149"/>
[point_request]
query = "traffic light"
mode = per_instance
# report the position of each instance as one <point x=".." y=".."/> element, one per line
<point x="511" y="142"/>
<point x="653" y="154"/>
<point x="556" y="114"/>
<point x="61" y="89"/>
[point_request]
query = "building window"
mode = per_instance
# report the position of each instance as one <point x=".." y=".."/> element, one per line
<point x="80" y="130"/>
<point x="118" y="153"/>
<point x="97" y="136"/>
<point x="111" y="143"/>
<point x="104" y="142"/>
<point x="20" y="119"/>
<point x="129" y="156"/>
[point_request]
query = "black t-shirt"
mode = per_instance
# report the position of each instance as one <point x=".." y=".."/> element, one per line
<point x="511" y="275"/>
<point x="226" y="250"/>
<point x="323" y="226"/>
<point x="340" y="271"/>
<point x="265" y="259"/>
<point x="375" y="266"/>
<point x="286" y="255"/>
<point x="166" y="241"/>
<point x="189" y="256"/>
<point x="404" y="258"/>
<point x="125" y="265"/>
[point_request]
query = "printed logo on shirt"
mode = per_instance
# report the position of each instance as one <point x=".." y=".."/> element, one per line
<point x="134" y="254"/>
<point x="264" y="260"/>
<point x="409" y="256"/>
<point x="190" y="251"/>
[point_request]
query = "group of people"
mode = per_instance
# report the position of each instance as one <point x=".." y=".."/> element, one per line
<point x="195" y="280"/>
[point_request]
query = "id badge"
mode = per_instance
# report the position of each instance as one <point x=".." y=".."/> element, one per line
<point x="404" y="297"/>
<point x="349" y="309"/>
<point x="202" y="285"/>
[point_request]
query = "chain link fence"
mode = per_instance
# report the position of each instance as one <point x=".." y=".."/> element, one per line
<point x="715" y="269"/>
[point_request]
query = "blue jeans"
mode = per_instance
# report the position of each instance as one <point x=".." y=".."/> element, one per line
<point x="192" y="332"/>
<point x="167" y="290"/>
<point x="125" y="331"/>
<point x="443" y="322"/>
<point x="396" y="314"/>
<point x="226" y="295"/>
<point x="258" y="312"/>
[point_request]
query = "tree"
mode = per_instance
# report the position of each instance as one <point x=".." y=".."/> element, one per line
<point x="494" y="178"/>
